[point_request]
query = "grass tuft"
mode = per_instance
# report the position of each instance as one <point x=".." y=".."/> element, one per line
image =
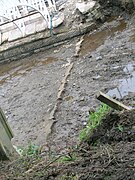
<point x="30" y="150"/>
<point x="94" y="120"/>
<point x="68" y="158"/>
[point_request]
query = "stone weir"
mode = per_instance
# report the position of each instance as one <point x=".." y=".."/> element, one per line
<point x="16" y="48"/>
<point x="88" y="11"/>
<point x="24" y="47"/>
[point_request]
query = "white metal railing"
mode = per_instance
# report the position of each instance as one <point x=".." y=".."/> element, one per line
<point x="12" y="10"/>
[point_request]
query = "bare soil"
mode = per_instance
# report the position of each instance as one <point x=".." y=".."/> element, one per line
<point x="28" y="93"/>
<point x="109" y="154"/>
<point x="29" y="88"/>
<point x="105" y="56"/>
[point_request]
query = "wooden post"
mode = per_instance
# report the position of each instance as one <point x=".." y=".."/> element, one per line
<point x="6" y="134"/>
<point x="111" y="102"/>
<point x="134" y="2"/>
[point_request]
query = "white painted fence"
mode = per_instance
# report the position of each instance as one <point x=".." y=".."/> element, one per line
<point x="21" y="14"/>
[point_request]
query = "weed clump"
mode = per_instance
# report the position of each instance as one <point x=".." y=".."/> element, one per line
<point x="68" y="158"/>
<point x="30" y="150"/>
<point x="94" y="120"/>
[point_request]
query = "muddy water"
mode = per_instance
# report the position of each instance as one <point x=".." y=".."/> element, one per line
<point x="21" y="68"/>
<point x="126" y="85"/>
<point x="93" y="41"/>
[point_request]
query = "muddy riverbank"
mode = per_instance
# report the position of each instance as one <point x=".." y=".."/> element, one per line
<point x="29" y="91"/>
<point x="106" y="63"/>
<point x="29" y="88"/>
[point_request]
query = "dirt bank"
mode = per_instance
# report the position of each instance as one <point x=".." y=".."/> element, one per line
<point x="110" y="156"/>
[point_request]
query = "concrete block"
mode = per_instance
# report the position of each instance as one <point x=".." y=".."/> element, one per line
<point x="42" y="25"/>
<point x="57" y="20"/>
<point x="4" y="37"/>
<point x="14" y="34"/>
<point x="85" y="7"/>
<point x="30" y="29"/>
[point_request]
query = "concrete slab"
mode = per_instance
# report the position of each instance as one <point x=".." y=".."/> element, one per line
<point x="40" y="26"/>
<point x="30" y="29"/>
<point x="4" y="37"/>
<point x="85" y="7"/>
<point x="14" y="34"/>
<point x="57" y="20"/>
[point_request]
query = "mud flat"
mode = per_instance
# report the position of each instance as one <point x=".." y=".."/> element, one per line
<point x="28" y="93"/>
<point x="106" y="63"/>
<point x="29" y="87"/>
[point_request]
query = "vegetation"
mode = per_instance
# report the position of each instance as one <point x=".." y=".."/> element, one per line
<point x="94" y="120"/>
<point x="30" y="150"/>
<point x="82" y="161"/>
<point x="69" y="177"/>
<point x="68" y="158"/>
<point x="120" y="128"/>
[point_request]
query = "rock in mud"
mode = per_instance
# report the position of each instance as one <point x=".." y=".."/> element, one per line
<point x="89" y="11"/>
<point x="85" y="6"/>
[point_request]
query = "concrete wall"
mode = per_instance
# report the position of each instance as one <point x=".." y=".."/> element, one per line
<point x="39" y="42"/>
<point x="33" y="24"/>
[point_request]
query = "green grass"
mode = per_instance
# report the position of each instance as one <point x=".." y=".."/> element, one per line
<point x="30" y="150"/>
<point x="68" y="177"/>
<point x="94" y="120"/>
<point x="120" y="128"/>
<point x="67" y="158"/>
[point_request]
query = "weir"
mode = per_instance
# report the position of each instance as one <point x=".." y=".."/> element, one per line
<point x="21" y="18"/>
